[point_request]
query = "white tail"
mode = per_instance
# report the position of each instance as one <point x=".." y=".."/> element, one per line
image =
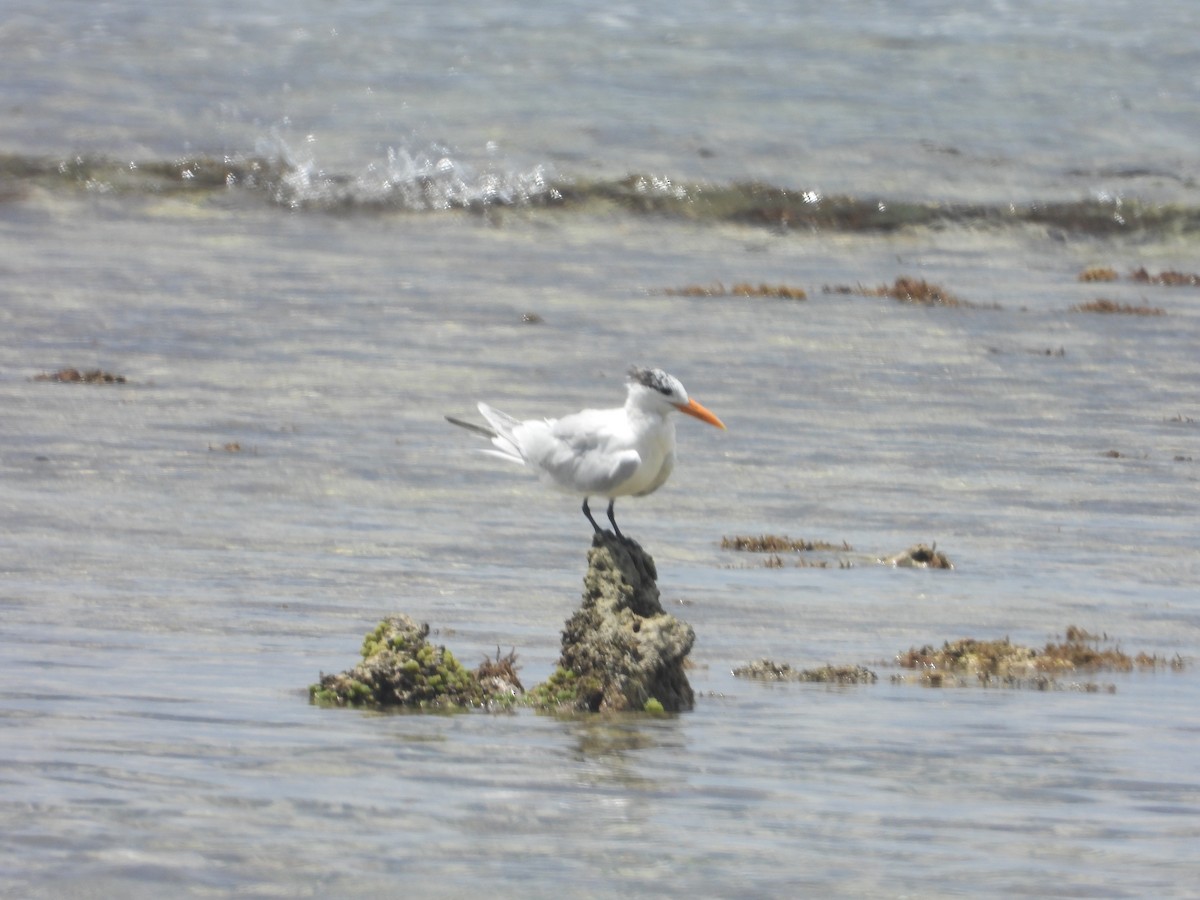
<point x="507" y="446"/>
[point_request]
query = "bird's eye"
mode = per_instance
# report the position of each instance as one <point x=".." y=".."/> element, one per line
<point x="664" y="390"/>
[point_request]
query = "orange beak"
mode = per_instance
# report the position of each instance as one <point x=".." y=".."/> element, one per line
<point x="695" y="409"/>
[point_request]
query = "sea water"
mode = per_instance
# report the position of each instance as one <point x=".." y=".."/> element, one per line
<point x="305" y="232"/>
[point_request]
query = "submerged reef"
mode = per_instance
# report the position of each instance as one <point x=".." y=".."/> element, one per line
<point x="620" y="650"/>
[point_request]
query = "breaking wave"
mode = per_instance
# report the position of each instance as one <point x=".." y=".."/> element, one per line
<point x="432" y="180"/>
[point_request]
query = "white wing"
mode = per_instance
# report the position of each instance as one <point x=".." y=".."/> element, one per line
<point x="586" y="453"/>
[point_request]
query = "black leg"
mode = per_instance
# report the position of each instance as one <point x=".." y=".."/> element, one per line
<point x="587" y="512"/>
<point x="611" y="518"/>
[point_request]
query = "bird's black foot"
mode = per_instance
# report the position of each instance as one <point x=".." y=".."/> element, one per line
<point x="587" y="512"/>
<point x="616" y="532"/>
<point x="612" y="518"/>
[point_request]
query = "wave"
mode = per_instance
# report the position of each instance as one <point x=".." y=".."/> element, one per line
<point x="433" y="182"/>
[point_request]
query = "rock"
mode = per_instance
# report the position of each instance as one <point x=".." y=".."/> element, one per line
<point x="620" y="650"/>
<point x="401" y="668"/>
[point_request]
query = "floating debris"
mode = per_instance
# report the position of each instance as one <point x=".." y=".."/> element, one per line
<point x="90" y="376"/>
<point x="920" y="556"/>
<point x="1168" y="279"/>
<point x="1112" y="306"/>
<point x="1033" y="351"/>
<point x="1099" y="273"/>
<point x="767" y="670"/>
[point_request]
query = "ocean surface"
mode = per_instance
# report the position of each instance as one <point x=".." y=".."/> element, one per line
<point x="304" y="232"/>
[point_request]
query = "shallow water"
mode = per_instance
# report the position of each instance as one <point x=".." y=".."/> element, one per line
<point x="166" y="601"/>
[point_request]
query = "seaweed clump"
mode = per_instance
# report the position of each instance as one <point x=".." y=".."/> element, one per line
<point x="905" y="289"/>
<point x="75" y="376"/>
<point x="1168" y="279"/>
<point x="499" y="676"/>
<point x="1102" y="305"/>
<point x="741" y="289"/>
<point x="400" y="668"/>
<point x="767" y="670"/>
<point x="1003" y="663"/>
<point x="916" y="290"/>
<point x="774" y="543"/>
<point x="620" y="649"/>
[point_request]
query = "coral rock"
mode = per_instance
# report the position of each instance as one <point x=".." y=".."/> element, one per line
<point x="621" y="650"/>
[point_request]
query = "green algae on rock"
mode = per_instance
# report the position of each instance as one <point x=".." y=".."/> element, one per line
<point x="400" y="668"/>
<point x="620" y="650"/>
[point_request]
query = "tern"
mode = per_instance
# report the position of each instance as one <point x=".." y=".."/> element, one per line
<point x="627" y="451"/>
